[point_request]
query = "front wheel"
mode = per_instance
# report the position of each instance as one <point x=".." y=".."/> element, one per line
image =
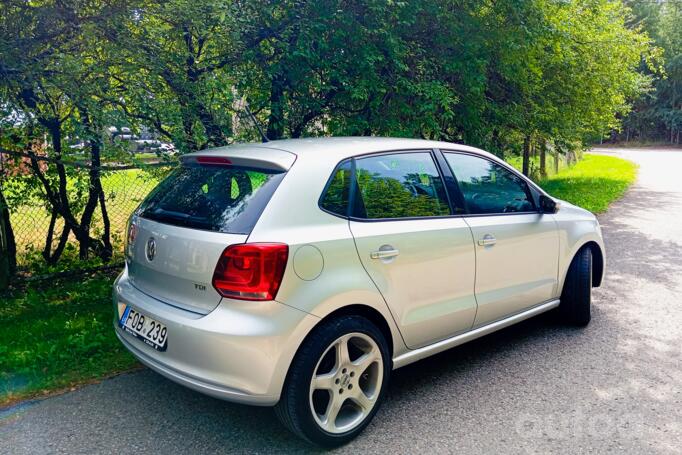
<point x="576" y="297"/>
<point x="336" y="381"/>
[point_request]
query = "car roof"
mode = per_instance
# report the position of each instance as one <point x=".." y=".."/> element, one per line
<point x="329" y="148"/>
<point x="351" y="146"/>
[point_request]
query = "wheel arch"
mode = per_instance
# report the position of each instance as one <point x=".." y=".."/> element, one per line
<point x="597" y="262"/>
<point x="366" y="311"/>
<point x="357" y="309"/>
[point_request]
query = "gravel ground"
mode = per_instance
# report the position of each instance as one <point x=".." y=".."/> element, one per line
<point x="615" y="386"/>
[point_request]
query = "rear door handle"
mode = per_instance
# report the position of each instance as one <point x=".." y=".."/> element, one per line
<point x="487" y="240"/>
<point x="384" y="254"/>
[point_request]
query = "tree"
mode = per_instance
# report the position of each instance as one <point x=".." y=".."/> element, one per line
<point x="512" y="76"/>
<point x="557" y="74"/>
<point x="49" y="70"/>
<point x="658" y="114"/>
<point x="170" y="69"/>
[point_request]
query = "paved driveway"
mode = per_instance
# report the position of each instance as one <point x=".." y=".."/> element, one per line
<point x="534" y="388"/>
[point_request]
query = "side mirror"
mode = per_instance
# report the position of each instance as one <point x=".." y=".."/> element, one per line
<point x="548" y="205"/>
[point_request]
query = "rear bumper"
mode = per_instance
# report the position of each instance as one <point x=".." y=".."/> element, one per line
<point x="240" y="352"/>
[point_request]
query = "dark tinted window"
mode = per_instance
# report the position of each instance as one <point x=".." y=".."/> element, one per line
<point x="488" y="187"/>
<point x="215" y="198"/>
<point x="399" y="185"/>
<point x="335" y="198"/>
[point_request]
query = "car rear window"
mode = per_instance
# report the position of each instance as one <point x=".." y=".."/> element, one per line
<point x="211" y="197"/>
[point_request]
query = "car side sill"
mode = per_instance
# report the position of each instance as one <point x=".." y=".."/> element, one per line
<point x="426" y="351"/>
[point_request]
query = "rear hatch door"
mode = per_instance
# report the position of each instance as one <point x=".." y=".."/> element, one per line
<point x="175" y="264"/>
<point x="181" y="229"/>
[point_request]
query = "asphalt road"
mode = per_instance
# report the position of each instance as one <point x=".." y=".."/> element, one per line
<point x="615" y="386"/>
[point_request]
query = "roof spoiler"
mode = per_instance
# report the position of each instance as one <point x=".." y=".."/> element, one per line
<point x="266" y="158"/>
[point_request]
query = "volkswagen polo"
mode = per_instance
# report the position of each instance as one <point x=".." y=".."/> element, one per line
<point x="300" y="273"/>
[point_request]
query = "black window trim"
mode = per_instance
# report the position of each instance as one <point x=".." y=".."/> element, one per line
<point x="531" y="189"/>
<point x="452" y="189"/>
<point x="353" y="188"/>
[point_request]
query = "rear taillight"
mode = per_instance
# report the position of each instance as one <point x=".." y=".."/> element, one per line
<point x="251" y="271"/>
<point x="132" y="233"/>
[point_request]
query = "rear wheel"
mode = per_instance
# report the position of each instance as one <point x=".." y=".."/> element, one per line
<point x="336" y="381"/>
<point x="576" y="296"/>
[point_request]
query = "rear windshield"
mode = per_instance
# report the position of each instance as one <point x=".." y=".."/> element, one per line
<point x="209" y="197"/>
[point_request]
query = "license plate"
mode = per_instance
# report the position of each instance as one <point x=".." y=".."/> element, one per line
<point x="144" y="328"/>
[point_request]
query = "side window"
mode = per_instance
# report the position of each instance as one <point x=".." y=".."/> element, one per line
<point x="399" y="185"/>
<point x="335" y="197"/>
<point x="488" y="187"/>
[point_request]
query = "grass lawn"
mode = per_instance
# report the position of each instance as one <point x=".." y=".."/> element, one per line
<point x="57" y="335"/>
<point x="593" y="183"/>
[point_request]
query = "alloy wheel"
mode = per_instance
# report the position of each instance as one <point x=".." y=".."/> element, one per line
<point x="346" y="382"/>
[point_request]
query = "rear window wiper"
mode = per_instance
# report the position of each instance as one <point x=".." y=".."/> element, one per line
<point x="173" y="217"/>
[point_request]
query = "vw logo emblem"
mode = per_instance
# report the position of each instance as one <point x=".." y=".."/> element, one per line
<point x="151" y="249"/>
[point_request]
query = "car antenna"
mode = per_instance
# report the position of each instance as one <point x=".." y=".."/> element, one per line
<point x="245" y="106"/>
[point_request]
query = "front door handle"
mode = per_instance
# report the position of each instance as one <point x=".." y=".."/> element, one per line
<point x="487" y="240"/>
<point x="384" y="254"/>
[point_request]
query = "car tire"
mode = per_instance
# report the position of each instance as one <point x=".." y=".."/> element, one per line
<point x="576" y="296"/>
<point x="304" y="408"/>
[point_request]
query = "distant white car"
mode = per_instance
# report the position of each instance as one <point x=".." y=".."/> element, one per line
<point x="166" y="148"/>
<point x="299" y="273"/>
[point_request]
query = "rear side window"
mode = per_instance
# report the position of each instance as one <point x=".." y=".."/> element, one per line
<point x="210" y="197"/>
<point x="336" y="195"/>
<point x="488" y="187"/>
<point x="400" y="185"/>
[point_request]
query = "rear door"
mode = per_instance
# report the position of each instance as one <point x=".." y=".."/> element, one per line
<point x="517" y="247"/>
<point x="420" y="256"/>
<point x="179" y="232"/>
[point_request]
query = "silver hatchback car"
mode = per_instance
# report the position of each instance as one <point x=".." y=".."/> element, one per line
<point x="300" y="273"/>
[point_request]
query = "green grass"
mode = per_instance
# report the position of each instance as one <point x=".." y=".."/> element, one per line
<point x="56" y="335"/>
<point x="593" y="183"/>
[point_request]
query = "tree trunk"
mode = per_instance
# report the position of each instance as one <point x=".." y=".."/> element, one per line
<point x="188" y="129"/>
<point x="543" y="160"/>
<point x="63" y="238"/>
<point x="95" y="188"/>
<point x="107" y="252"/>
<point x="556" y="160"/>
<point x="59" y="200"/>
<point x="62" y="205"/>
<point x="8" y="247"/>
<point x="276" y="118"/>
<point x="47" y="249"/>
<point x="526" y="154"/>
<point x="215" y="136"/>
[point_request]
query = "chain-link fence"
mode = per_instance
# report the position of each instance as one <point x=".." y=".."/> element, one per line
<point x="124" y="188"/>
